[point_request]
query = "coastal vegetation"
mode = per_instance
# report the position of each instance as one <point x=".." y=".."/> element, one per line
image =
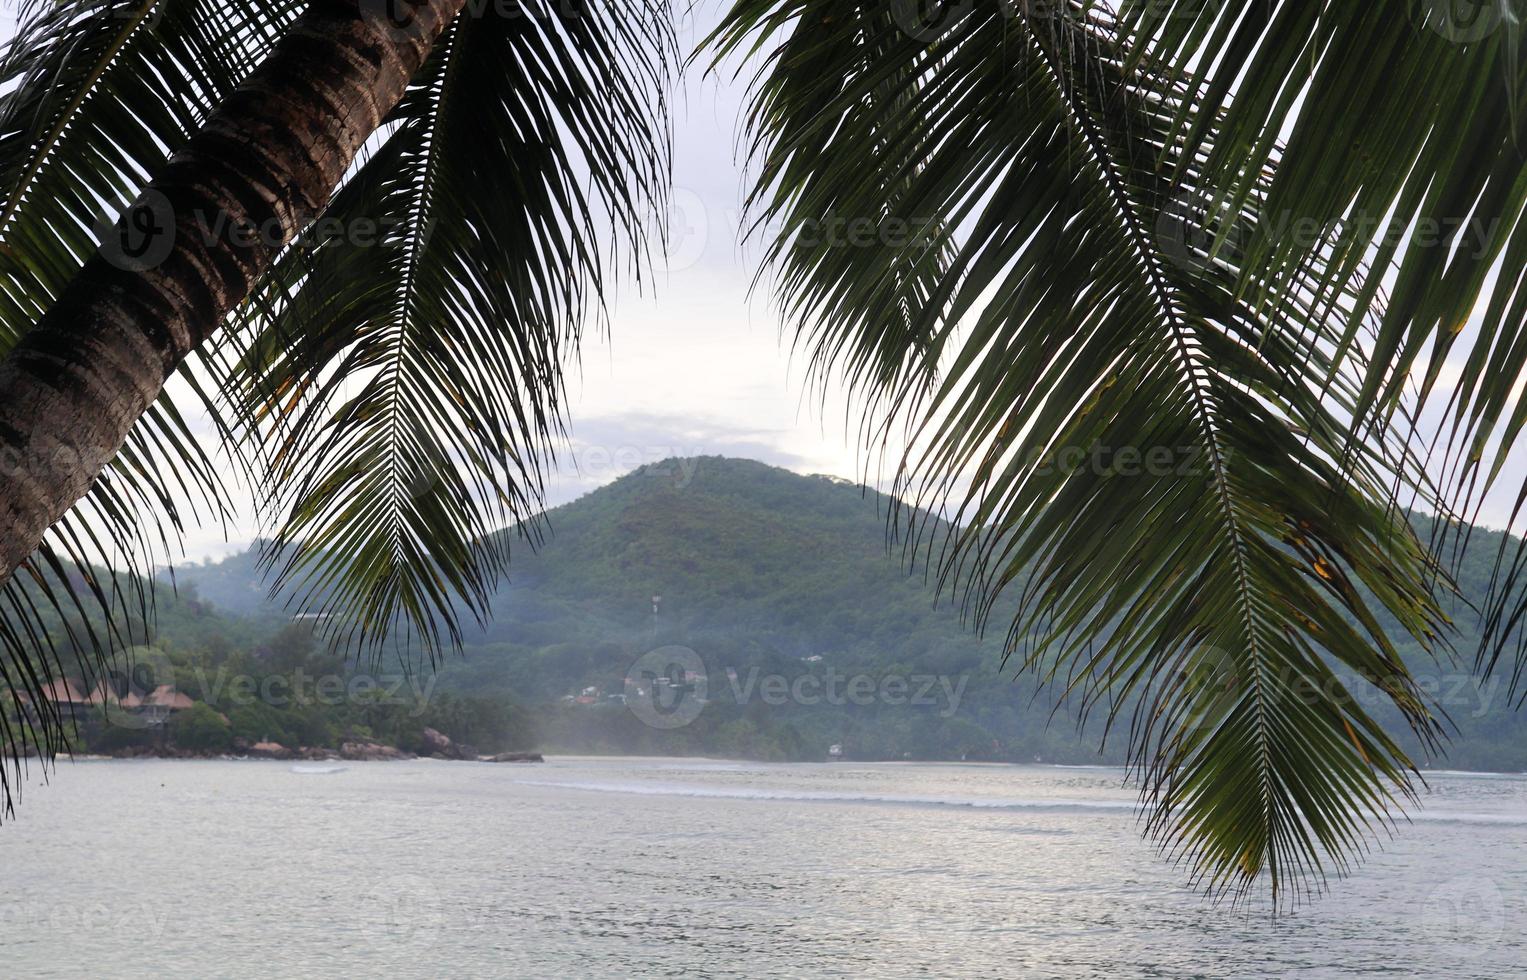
<point x="217" y="685"/>
<point x="778" y="582"/>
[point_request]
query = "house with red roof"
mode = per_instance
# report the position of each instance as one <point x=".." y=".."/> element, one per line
<point x="162" y="702"/>
<point x="65" y="698"/>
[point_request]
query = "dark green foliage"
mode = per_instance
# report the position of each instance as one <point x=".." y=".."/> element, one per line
<point x="758" y="568"/>
<point x="200" y="729"/>
<point x="97" y="94"/>
<point x="403" y="368"/>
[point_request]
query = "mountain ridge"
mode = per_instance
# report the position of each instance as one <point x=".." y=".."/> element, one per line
<point x="765" y="572"/>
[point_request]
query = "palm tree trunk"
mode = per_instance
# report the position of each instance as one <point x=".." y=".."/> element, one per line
<point x="262" y="167"/>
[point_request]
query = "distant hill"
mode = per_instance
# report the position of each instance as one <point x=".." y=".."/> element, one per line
<point x="763" y="572"/>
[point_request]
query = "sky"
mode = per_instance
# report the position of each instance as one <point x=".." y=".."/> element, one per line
<point x="699" y="363"/>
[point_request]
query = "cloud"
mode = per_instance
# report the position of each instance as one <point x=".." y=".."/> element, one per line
<point x="604" y="448"/>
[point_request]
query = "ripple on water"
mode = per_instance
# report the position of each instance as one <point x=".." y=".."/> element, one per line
<point x="604" y="867"/>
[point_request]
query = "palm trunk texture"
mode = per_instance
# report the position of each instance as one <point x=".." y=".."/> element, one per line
<point x="269" y="158"/>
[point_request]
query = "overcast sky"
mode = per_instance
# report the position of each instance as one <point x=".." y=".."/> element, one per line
<point x="697" y="365"/>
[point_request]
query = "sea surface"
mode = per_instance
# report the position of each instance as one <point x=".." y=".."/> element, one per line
<point x="651" y="867"/>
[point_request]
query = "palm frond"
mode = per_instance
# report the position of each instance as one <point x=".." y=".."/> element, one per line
<point x="497" y="194"/>
<point x="1400" y="135"/>
<point x="1143" y="453"/>
<point x="403" y="369"/>
<point x="97" y="95"/>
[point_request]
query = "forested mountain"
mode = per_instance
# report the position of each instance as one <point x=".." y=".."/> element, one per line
<point x="767" y="574"/>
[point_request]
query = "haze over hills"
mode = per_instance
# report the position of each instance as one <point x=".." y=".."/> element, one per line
<point x="764" y="573"/>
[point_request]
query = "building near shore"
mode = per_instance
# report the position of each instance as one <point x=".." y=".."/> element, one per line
<point x="162" y="702"/>
<point x="66" y="699"/>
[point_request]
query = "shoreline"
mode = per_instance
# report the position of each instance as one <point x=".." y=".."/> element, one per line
<point x="525" y="758"/>
<point x="326" y="755"/>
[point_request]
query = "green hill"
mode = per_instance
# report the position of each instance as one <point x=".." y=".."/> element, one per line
<point x="783" y="583"/>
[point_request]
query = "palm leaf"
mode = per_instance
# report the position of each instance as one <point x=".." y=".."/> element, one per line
<point x="1404" y="125"/>
<point x="403" y="369"/>
<point x="529" y="146"/>
<point x="1087" y="288"/>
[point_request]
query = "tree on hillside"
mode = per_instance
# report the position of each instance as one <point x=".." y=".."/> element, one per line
<point x="1114" y="267"/>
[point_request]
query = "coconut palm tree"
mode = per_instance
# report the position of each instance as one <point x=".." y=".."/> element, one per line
<point x="460" y="178"/>
<point x="1110" y="269"/>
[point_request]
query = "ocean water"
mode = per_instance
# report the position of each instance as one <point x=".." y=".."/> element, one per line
<point x="622" y="867"/>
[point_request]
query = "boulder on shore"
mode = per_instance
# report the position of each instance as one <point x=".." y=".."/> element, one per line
<point x="308" y="754"/>
<point x="270" y="750"/>
<point x="371" y="752"/>
<point x="514" y="757"/>
<point x="438" y="745"/>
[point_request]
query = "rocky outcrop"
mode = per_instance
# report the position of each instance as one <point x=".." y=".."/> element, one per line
<point x="438" y="745"/>
<point x="371" y="752"/>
